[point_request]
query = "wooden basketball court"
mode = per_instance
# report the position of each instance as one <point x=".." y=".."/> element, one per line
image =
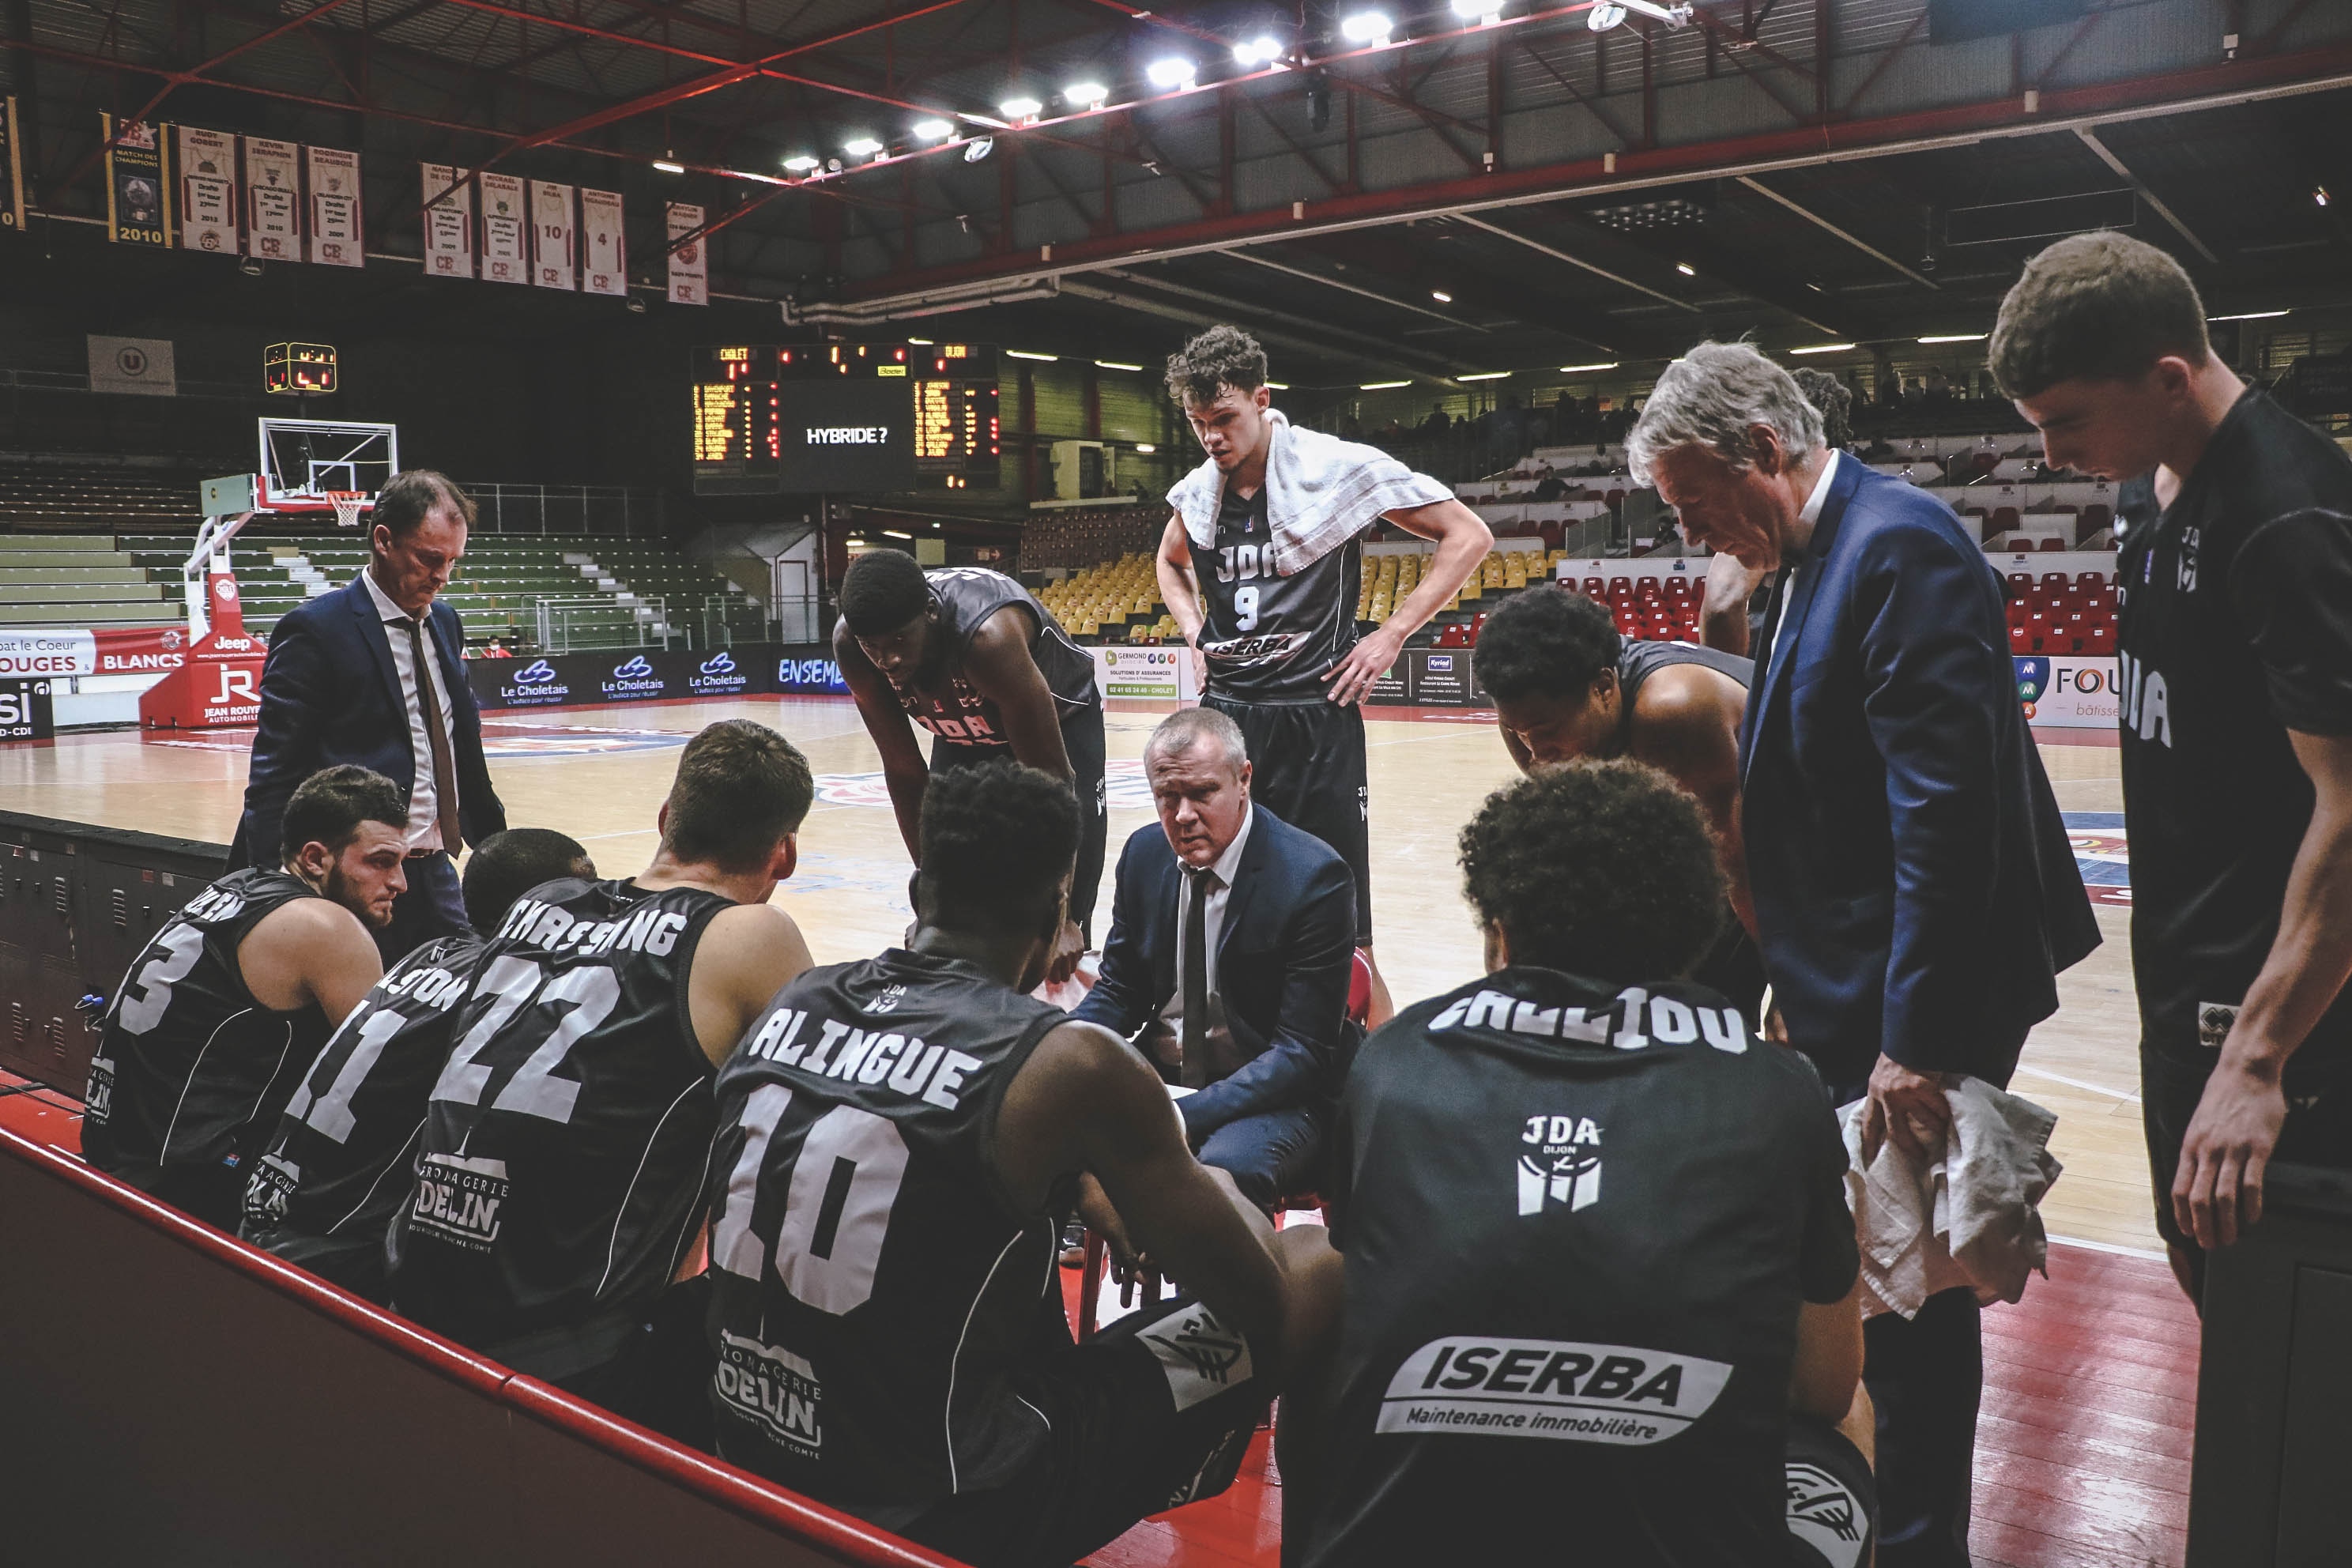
<point x="2083" y="1454"/>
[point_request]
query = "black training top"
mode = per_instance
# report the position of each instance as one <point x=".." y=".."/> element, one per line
<point x="340" y="1164"/>
<point x="1578" y="1223"/>
<point x="874" y="1286"/>
<point x="1638" y="660"/>
<point x="953" y="710"/>
<point x="2235" y="627"/>
<point x="190" y="1069"/>
<point x="1270" y="638"/>
<point x="559" y="1177"/>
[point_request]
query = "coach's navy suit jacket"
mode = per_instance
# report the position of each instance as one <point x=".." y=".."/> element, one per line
<point x="1914" y="893"/>
<point x="1284" y="958"/>
<point x="330" y="694"/>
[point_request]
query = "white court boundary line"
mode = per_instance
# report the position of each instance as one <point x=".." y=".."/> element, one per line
<point x="2110" y="1247"/>
<point x="2081" y="1083"/>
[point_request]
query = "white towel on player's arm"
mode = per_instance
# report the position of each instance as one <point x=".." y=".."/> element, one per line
<point x="1320" y="492"/>
<point x="1968" y="1217"/>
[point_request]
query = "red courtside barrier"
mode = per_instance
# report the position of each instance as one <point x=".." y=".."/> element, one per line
<point x="169" y="1395"/>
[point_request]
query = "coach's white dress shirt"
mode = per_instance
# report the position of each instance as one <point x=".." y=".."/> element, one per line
<point x="424" y="804"/>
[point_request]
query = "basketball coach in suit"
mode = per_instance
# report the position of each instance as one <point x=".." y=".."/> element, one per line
<point x="371" y="674"/>
<point x="1914" y="893"/>
<point x="1232" y="942"/>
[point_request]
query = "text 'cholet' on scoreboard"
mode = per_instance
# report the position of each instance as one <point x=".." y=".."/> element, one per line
<point x="772" y="420"/>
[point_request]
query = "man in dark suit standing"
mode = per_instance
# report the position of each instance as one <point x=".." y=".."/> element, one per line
<point x="371" y="674"/>
<point x="1915" y="894"/>
<point x="1228" y="960"/>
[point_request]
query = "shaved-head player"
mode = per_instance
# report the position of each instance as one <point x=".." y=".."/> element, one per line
<point x="972" y="656"/>
<point x="1277" y="514"/>
<point x="1567" y="685"/>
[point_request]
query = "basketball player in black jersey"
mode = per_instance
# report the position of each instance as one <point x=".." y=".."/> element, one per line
<point x="1599" y="1269"/>
<point x="898" y="1143"/>
<point x="338" y="1167"/>
<point x="559" y="1176"/>
<point x="972" y="656"/>
<point x="225" y="1007"/>
<point x="1567" y="685"/>
<point x="1272" y="621"/>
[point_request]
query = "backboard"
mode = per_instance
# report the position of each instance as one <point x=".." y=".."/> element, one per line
<point x="302" y="460"/>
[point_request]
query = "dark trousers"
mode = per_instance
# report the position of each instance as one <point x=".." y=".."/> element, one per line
<point x="1926" y="1375"/>
<point x="1270" y="1156"/>
<point x="430" y="907"/>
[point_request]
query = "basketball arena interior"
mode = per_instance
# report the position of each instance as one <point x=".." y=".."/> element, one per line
<point x="691" y="312"/>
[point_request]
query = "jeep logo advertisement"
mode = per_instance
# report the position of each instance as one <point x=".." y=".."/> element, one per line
<point x="651" y="675"/>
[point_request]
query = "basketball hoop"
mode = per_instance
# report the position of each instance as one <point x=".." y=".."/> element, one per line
<point x="347" y="504"/>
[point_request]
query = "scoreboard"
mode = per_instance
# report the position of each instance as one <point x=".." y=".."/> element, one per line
<point x="773" y="420"/>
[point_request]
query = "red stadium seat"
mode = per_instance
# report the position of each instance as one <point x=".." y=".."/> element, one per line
<point x="1594" y="587"/>
<point x="2020" y="641"/>
<point x="2020" y="583"/>
<point x="2101" y="639"/>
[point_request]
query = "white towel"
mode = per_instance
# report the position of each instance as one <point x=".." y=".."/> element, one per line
<point x="1968" y="1219"/>
<point x="1320" y="492"/>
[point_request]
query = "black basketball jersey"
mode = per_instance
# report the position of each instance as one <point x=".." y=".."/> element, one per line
<point x="1268" y="637"/>
<point x="874" y="1285"/>
<point x="190" y="1069"/>
<point x="559" y="1177"/>
<point x="952" y="709"/>
<point x="1638" y="660"/>
<point x="1577" y="1222"/>
<point x="2233" y="630"/>
<point x="339" y="1165"/>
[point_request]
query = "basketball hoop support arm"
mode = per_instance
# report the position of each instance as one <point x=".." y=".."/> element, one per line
<point x="211" y="550"/>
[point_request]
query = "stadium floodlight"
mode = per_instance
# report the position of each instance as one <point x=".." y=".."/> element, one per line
<point x="934" y="130"/>
<point x="801" y="163"/>
<point x="861" y="146"/>
<point x="1146" y="447"/>
<point x="2243" y="316"/>
<point x="1955" y="338"/>
<point x="665" y="165"/>
<point x="1441" y="296"/>
<point x="1087" y="94"/>
<point x="1114" y="365"/>
<point x="1025" y="353"/>
<point x="1482" y="375"/>
<point x="1020" y="108"/>
<point x="1261" y="51"/>
<point x="1382" y="386"/>
<point x="1607" y="15"/>
<point x="1369" y="27"/>
<point x="1823" y="348"/>
<point x="1573" y="369"/>
<point x="1480" y="11"/>
<point x="1170" y="73"/>
<point x="1686" y="268"/>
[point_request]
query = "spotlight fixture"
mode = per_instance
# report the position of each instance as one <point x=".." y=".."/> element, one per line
<point x="979" y="147"/>
<point x="896" y="534"/>
<point x="861" y="146"/>
<point x="636" y="306"/>
<point x="1441" y="296"/>
<point x="1572" y="369"/>
<point x="1024" y="353"/>
<point x="1279" y="385"/>
<point x="1482" y="375"/>
<point x="1170" y="73"/>
<point x="666" y="167"/>
<point x="934" y="130"/>
<point x="1146" y="447"/>
<point x="1261" y="51"/>
<point x="1686" y="268"/>
<point x="1955" y="338"/>
<point x="800" y="163"/>
<point x="1610" y="13"/>
<point x="1020" y="108"/>
<point x="920" y="342"/>
<point x="1382" y="386"/>
<point x="1370" y="28"/>
<point x="1823" y="348"/>
<point x="1114" y="365"/>
<point x="1087" y="94"/>
<point x="2319" y="195"/>
<point x="2248" y="316"/>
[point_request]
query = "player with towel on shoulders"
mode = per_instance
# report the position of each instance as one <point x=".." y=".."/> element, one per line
<point x="1277" y="514"/>
<point x="1600" y="1273"/>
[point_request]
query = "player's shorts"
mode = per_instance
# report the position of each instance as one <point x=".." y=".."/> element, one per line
<point x="2318" y="1129"/>
<point x="212" y="1193"/>
<point x="1082" y="738"/>
<point x="1155" y="1411"/>
<point x="1307" y="762"/>
<point x="1832" y="1497"/>
<point x="353" y="1263"/>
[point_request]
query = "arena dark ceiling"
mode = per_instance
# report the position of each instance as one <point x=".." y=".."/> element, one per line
<point x="1472" y="197"/>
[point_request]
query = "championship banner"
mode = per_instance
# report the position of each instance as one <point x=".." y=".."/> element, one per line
<point x="273" y="200"/>
<point x="207" y="191"/>
<point x="506" y="239"/>
<point x="448" y="221"/>
<point x="553" y="264"/>
<point x="138" y="189"/>
<point x="12" y="170"/>
<point x="338" y="225"/>
<point x="603" y="246"/>
<point x="689" y="264"/>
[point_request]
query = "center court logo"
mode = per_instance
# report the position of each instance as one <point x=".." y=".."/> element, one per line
<point x="1559" y="1162"/>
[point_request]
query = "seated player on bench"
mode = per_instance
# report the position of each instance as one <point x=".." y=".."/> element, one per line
<point x="210" y="1030"/>
<point x="1598" y="1268"/>
<point x="898" y="1143"/>
<point x="339" y="1164"/>
<point x="1567" y="684"/>
<point x="559" y="1176"/>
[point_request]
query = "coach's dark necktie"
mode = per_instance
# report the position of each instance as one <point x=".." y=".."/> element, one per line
<point x="1197" y="883"/>
<point x="428" y="702"/>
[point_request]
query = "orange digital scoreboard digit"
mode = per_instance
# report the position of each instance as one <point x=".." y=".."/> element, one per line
<point x="838" y="417"/>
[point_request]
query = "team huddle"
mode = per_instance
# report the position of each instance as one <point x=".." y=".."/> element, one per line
<point x="1588" y="1282"/>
